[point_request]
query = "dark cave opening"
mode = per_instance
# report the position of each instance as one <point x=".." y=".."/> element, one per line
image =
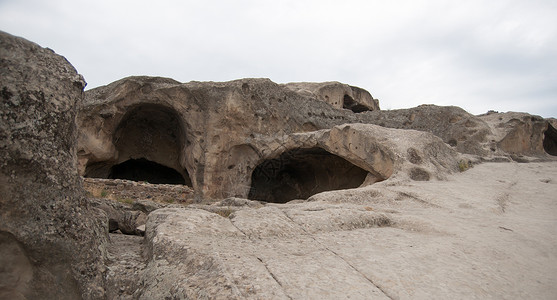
<point x="145" y="170"/>
<point x="352" y="105"/>
<point x="301" y="173"/>
<point x="550" y="140"/>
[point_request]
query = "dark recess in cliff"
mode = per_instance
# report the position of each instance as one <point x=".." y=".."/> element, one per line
<point x="301" y="173"/>
<point x="550" y="140"/>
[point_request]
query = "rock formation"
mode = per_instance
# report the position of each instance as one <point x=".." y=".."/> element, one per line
<point x="337" y="95"/>
<point x="482" y="234"/>
<point x="520" y="133"/>
<point x="223" y="138"/>
<point x="50" y="239"/>
<point x="252" y="189"/>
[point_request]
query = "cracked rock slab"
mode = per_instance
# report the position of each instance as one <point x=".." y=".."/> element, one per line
<point x="255" y="254"/>
<point x="414" y="240"/>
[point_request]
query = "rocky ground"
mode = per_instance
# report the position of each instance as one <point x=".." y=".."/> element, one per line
<point x="488" y="232"/>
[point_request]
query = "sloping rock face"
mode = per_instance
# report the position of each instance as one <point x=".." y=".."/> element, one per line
<point x="487" y="233"/>
<point x="456" y="127"/>
<point x="50" y="239"/>
<point x="185" y="264"/>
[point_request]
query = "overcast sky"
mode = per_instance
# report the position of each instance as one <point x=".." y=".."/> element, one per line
<point x="479" y="55"/>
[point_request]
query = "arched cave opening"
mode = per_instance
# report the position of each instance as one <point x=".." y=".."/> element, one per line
<point x="550" y="140"/>
<point x="145" y="170"/>
<point x="349" y="103"/>
<point x="301" y="173"/>
<point x="148" y="140"/>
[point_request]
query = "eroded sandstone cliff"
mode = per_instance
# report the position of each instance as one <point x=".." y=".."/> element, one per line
<point x="225" y="139"/>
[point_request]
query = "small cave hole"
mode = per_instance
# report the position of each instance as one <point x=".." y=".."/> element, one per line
<point x="301" y="173"/>
<point x="550" y="140"/>
<point x="149" y="171"/>
<point x="352" y="105"/>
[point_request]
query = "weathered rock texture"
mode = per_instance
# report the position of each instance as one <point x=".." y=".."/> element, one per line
<point x="456" y="127"/>
<point x="485" y="233"/>
<point x="520" y="133"/>
<point x="185" y="265"/>
<point x="50" y="239"/>
<point x="337" y="95"/>
<point x="205" y="131"/>
<point x="220" y="137"/>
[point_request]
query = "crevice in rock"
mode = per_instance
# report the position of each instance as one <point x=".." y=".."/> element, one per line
<point x="550" y="140"/>
<point x="337" y="255"/>
<point x="125" y="266"/>
<point x="352" y="105"/>
<point x="273" y="276"/>
<point x="359" y="272"/>
<point x="239" y="229"/>
<point x="301" y="173"/>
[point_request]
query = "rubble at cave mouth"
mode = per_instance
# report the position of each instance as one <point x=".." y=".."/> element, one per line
<point x="145" y="170"/>
<point x="550" y="140"/>
<point x="301" y="173"/>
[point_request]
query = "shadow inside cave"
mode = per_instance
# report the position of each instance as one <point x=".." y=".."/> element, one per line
<point x="145" y="170"/>
<point x="550" y="140"/>
<point x="301" y="173"/>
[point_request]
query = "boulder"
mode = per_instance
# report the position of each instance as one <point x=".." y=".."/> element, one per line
<point x="121" y="216"/>
<point x="146" y="206"/>
<point x="56" y="240"/>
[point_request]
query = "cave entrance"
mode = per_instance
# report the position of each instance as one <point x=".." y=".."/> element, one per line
<point x="349" y="103"/>
<point x="301" y="173"/>
<point x="550" y="140"/>
<point x="148" y="140"/>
